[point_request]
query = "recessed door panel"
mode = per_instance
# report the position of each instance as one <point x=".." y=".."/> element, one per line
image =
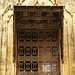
<point x="37" y="52"/>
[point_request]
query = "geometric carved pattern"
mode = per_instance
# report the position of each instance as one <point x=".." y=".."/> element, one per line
<point x="21" y="36"/>
<point x="45" y="14"/>
<point x="21" y="66"/>
<point x="54" y="52"/>
<point x="21" y="50"/>
<point x="35" y="17"/>
<point x="37" y="40"/>
<point x="28" y="36"/>
<point x="34" y="66"/>
<point x="34" y="36"/>
<point x="28" y="66"/>
<point x="39" y="51"/>
<point x="34" y="51"/>
<point x="32" y="14"/>
<point x="27" y="51"/>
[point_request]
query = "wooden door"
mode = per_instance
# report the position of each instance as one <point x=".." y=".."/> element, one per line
<point x="37" y="52"/>
<point x="36" y="34"/>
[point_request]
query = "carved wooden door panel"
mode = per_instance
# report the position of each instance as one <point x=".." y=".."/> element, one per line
<point x="37" y="46"/>
<point x="37" y="52"/>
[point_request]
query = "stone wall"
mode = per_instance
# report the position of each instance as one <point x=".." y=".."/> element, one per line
<point x="6" y="33"/>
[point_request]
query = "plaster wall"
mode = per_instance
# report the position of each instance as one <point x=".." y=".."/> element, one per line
<point x="6" y="33"/>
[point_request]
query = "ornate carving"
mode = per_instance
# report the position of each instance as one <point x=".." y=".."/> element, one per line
<point x="45" y="17"/>
<point x="38" y="46"/>
<point x="37" y="41"/>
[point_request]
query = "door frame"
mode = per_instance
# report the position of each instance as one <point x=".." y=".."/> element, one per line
<point x="60" y="8"/>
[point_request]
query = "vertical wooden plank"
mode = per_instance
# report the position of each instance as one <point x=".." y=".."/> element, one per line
<point x="14" y="44"/>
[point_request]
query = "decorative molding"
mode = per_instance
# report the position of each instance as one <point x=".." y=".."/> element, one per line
<point x="37" y="3"/>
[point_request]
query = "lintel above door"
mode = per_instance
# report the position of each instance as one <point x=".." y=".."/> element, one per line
<point x="41" y="17"/>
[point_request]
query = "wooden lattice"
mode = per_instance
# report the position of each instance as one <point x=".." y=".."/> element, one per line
<point x="38" y="52"/>
<point x="37" y="35"/>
